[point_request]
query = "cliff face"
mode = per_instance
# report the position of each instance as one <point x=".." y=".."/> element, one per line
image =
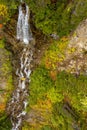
<point x="76" y="52"/>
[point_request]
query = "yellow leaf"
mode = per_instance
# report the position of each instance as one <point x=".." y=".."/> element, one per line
<point x="23" y="78"/>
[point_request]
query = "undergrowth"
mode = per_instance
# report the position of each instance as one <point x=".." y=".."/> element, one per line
<point x="60" y="18"/>
<point x="65" y="89"/>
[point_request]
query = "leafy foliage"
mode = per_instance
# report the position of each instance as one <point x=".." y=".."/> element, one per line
<point x="65" y="89"/>
<point x="49" y="88"/>
<point x="55" y="53"/>
<point x="6" y="84"/>
<point x="40" y="83"/>
<point x="5" y="123"/>
<point x="3" y="13"/>
<point x="7" y="9"/>
<point x="60" y="18"/>
<point x="3" y="10"/>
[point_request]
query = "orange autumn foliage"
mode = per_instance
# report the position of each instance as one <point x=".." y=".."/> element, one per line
<point x="66" y="99"/>
<point x="53" y="74"/>
<point x="64" y="38"/>
<point x="42" y="105"/>
<point x="48" y="64"/>
<point x="1" y="37"/>
<point x="1" y="25"/>
<point x="2" y="107"/>
<point x="45" y="104"/>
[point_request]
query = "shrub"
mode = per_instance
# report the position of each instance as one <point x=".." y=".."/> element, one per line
<point x="60" y="18"/>
<point x="3" y="12"/>
<point x="40" y="83"/>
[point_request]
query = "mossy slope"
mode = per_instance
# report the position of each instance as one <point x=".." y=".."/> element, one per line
<point x="6" y="84"/>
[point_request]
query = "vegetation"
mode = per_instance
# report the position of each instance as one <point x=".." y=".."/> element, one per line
<point x="58" y="96"/>
<point x="3" y="11"/>
<point x="59" y="18"/>
<point x="5" y="123"/>
<point x="66" y="89"/>
<point x="6" y="85"/>
<point x="55" y="53"/>
<point x="7" y="10"/>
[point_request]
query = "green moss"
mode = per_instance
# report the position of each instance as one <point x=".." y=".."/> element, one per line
<point x="5" y="123"/>
<point x="2" y="43"/>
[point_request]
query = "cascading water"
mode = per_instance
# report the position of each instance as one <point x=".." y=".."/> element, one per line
<point x="23" y="28"/>
<point x="19" y="98"/>
<point x="17" y="105"/>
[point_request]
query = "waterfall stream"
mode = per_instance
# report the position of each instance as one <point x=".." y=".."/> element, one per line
<point x="23" y="29"/>
<point x="17" y="105"/>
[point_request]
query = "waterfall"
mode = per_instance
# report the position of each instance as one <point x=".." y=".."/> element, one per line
<point x="19" y="101"/>
<point x="23" y="29"/>
<point x="19" y="98"/>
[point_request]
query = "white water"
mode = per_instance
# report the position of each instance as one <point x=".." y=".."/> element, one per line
<point x="17" y="105"/>
<point x="23" y="28"/>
